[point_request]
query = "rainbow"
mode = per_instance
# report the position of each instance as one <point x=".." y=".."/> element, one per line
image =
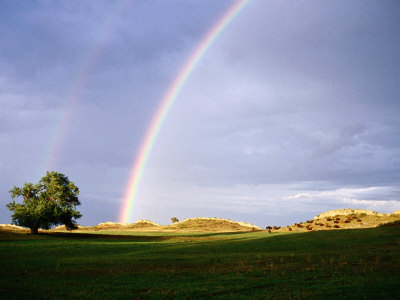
<point x="166" y="104"/>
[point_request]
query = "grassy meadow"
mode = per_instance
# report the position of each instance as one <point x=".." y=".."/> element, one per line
<point x="340" y="264"/>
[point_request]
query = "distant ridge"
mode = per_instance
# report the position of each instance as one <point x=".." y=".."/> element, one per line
<point x="140" y="224"/>
<point x="211" y="224"/>
<point x="10" y="227"/>
<point x="347" y="218"/>
<point x="350" y="211"/>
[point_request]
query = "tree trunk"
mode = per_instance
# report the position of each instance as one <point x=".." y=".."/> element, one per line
<point x="35" y="230"/>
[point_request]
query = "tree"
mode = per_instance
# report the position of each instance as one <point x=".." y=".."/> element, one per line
<point x="51" y="201"/>
<point x="174" y="220"/>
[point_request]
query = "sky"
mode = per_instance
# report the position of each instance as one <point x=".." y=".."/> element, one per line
<point x="293" y="111"/>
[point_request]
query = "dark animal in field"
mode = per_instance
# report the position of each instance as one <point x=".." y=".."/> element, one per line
<point x="269" y="230"/>
<point x="310" y="221"/>
<point x="329" y="219"/>
<point x="268" y="227"/>
<point x="328" y="226"/>
<point x="290" y="229"/>
<point x="336" y="226"/>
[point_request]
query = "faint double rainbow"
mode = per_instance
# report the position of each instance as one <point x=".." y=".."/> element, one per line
<point x="79" y="84"/>
<point x="166" y="104"/>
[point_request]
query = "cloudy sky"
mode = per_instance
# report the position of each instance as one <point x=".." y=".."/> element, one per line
<point x="294" y="109"/>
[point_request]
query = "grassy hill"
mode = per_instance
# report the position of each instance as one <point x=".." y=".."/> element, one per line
<point x="167" y="264"/>
<point x="343" y="219"/>
<point x="330" y="220"/>
<point x="188" y="225"/>
<point x="211" y="224"/>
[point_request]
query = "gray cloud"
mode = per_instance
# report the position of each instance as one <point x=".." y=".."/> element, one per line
<point x="299" y="98"/>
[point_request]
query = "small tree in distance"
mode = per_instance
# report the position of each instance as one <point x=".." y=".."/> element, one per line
<point x="52" y="201"/>
<point x="174" y="220"/>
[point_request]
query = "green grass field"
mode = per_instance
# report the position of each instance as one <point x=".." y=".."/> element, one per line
<point x="352" y="264"/>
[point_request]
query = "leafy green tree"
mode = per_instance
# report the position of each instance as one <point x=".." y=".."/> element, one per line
<point x="174" y="220"/>
<point x="51" y="201"/>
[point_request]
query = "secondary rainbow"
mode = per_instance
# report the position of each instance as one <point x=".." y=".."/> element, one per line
<point x="79" y="85"/>
<point x="166" y="104"/>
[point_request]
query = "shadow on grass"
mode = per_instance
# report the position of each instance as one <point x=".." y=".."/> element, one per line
<point x="91" y="236"/>
<point x="161" y="236"/>
<point x="144" y="238"/>
<point x="253" y="237"/>
<point x="16" y="235"/>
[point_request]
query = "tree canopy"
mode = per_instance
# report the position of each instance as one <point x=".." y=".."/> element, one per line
<point x="52" y="201"/>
